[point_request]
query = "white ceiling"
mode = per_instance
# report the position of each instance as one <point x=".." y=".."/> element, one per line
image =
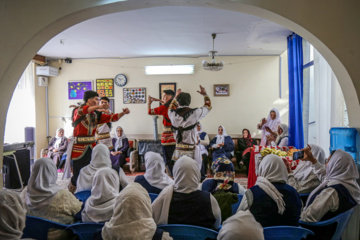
<point x="168" y="31"/>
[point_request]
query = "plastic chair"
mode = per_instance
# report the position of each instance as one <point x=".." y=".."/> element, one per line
<point x="188" y="232"/>
<point x="83" y="195"/>
<point x="153" y="196"/>
<point x="85" y="230"/>
<point x="37" y="228"/>
<point x="235" y="206"/>
<point x="286" y="233"/>
<point x="304" y="197"/>
<point x="340" y="220"/>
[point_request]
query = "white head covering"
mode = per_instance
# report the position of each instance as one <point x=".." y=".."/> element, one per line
<point x="272" y="169"/>
<point x="242" y="225"/>
<point x="100" y="158"/>
<point x="272" y="124"/>
<point x="42" y="185"/>
<point x="285" y="132"/>
<point x="221" y="138"/>
<point x="132" y="218"/>
<point x="187" y="178"/>
<point x="155" y="171"/>
<point x="201" y="129"/>
<point x="105" y="189"/>
<point x="13" y="214"/>
<point x="304" y="169"/>
<point x="341" y="169"/>
<point x="118" y="143"/>
<point x="58" y="139"/>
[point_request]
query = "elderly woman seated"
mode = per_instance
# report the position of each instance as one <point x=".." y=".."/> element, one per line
<point x="57" y="146"/>
<point x="281" y="138"/>
<point x="121" y="146"/>
<point x="222" y="145"/>
<point x="271" y="200"/>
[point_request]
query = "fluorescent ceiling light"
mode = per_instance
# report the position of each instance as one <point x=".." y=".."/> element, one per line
<point x="169" y="69"/>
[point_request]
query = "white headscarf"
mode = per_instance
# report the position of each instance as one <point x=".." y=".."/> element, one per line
<point x="341" y="169"/>
<point x="272" y="169"/>
<point x="272" y="124"/>
<point x="105" y="189"/>
<point x="132" y="218"/>
<point x="155" y="171"/>
<point x="13" y="215"/>
<point x="187" y="178"/>
<point x="100" y="158"/>
<point x="304" y="169"/>
<point x="221" y="138"/>
<point x="242" y="225"/>
<point x="201" y="129"/>
<point x="118" y="143"/>
<point x="42" y="185"/>
<point x="285" y="132"/>
<point x="58" y="139"/>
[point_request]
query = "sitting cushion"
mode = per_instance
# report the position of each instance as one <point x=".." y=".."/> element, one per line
<point x="131" y="143"/>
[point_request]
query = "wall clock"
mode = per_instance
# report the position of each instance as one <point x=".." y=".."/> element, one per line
<point x="120" y="80"/>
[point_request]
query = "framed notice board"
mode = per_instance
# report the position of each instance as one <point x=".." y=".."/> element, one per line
<point x="105" y="87"/>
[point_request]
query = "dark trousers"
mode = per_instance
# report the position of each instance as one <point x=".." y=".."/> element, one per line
<point x="122" y="160"/>
<point x="168" y="152"/>
<point x="204" y="166"/>
<point x="79" y="164"/>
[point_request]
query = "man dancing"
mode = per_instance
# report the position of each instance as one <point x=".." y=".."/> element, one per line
<point x="84" y="123"/>
<point x="184" y="121"/>
<point x="167" y="137"/>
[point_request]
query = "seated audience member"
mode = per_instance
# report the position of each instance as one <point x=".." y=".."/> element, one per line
<point x="13" y="215"/>
<point x="183" y="203"/>
<point x="303" y="178"/>
<point x="57" y="146"/>
<point x="105" y="188"/>
<point x="100" y="158"/>
<point x="222" y="144"/>
<point x="132" y="218"/>
<point x="271" y="200"/>
<point x="269" y="125"/>
<point x="282" y="138"/>
<point x="222" y="186"/>
<point x="339" y="190"/>
<point x="121" y="146"/>
<point x="242" y="225"/>
<point x="45" y="199"/>
<point x="203" y="144"/>
<point x="155" y="178"/>
<point x="245" y="142"/>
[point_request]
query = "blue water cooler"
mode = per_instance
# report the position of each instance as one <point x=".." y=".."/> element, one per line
<point x="347" y="139"/>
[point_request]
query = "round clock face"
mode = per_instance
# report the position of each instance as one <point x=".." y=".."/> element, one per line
<point x="120" y="80"/>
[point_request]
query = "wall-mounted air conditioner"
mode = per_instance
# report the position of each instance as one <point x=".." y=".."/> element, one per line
<point x="47" y="71"/>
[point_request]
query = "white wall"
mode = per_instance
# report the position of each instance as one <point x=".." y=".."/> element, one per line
<point x="254" y="89"/>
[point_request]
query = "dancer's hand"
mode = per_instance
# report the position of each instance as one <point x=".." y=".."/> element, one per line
<point x="126" y="110"/>
<point x="202" y="91"/>
<point x="178" y="92"/>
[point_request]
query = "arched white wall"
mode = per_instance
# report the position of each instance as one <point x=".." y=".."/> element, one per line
<point x="332" y="27"/>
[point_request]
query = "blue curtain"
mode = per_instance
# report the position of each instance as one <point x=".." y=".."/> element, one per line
<point x="295" y="62"/>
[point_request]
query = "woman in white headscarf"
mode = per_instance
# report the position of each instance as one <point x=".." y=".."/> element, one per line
<point x="180" y="203"/>
<point x="121" y="146"/>
<point x="303" y="178"/>
<point x="155" y="179"/>
<point x="271" y="200"/>
<point x="282" y="138"/>
<point x="45" y="199"/>
<point x="269" y="125"/>
<point x="339" y="190"/>
<point x="241" y="225"/>
<point x="105" y="188"/>
<point x="222" y="144"/>
<point x="57" y="146"/>
<point x="13" y="214"/>
<point x="100" y="158"/>
<point x="132" y="218"/>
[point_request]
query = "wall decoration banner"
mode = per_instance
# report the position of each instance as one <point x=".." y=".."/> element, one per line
<point x="105" y="87"/>
<point x="134" y="95"/>
<point x="76" y="89"/>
